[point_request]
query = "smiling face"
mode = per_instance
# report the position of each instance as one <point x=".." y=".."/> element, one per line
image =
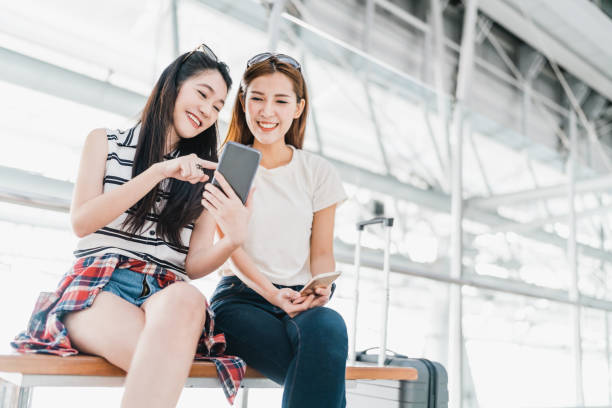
<point x="199" y="100"/>
<point x="270" y="107"/>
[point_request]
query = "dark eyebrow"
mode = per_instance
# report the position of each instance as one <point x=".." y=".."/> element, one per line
<point x="210" y="88"/>
<point x="261" y="93"/>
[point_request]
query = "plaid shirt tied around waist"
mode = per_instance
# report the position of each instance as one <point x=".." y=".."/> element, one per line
<point x="46" y="333"/>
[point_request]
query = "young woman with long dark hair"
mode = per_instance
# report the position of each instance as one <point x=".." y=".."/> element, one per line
<point x="143" y="235"/>
<point x="295" y="341"/>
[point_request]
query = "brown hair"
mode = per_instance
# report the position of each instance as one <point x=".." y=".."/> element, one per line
<point x="238" y="129"/>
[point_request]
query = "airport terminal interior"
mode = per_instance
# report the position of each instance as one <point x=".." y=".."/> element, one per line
<point x="483" y="127"/>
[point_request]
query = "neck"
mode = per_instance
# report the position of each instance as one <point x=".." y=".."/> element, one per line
<point x="273" y="155"/>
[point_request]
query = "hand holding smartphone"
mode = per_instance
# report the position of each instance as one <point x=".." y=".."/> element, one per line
<point x="320" y="281"/>
<point x="238" y="164"/>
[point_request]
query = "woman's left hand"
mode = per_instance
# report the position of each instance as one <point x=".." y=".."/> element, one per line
<point x="321" y="297"/>
<point x="231" y="215"/>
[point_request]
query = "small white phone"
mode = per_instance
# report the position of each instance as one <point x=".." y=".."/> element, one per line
<point x="320" y="281"/>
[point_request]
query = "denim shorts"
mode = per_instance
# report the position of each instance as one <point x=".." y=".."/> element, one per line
<point x="135" y="287"/>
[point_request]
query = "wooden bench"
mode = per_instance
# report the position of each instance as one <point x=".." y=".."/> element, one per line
<point x="33" y="370"/>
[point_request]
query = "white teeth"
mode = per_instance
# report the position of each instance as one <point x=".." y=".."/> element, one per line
<point x="267" y="125"/>
<point x="195" y="119"/>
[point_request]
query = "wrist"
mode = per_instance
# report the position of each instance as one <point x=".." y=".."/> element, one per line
<point x="231" y="244"/>
<point x="157" y="169"/>
<point x="270" y="294"/>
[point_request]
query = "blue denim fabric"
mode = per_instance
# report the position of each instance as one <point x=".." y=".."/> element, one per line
<point x="306" y="354"/>
<point x="135" y="287"/>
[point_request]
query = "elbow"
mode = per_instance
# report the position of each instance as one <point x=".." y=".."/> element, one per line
<point x="192" y="271"/>
<point x="79" y="231"/>
<point x="189" y="269"/>
<point x="79" y="227"/>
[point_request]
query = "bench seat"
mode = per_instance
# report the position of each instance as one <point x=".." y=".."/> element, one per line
<point x="27" y="371"/>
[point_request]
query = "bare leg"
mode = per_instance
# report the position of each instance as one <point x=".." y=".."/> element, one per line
<point x="109" y="328"/>
<point x="174" y="318"/>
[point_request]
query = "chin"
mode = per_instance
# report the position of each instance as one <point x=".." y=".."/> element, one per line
<point x="189" y="132"/>
<point x="268" y="139"/>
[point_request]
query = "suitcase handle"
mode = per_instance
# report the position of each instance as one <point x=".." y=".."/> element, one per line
<point x="388" y="352"/>
<point x="385" y="221"/>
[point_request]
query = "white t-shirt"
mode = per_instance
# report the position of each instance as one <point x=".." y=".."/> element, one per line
<point x="284" y="204"/>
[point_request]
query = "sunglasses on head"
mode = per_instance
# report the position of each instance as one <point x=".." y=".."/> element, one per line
<point x="205" y="49"/>
<point x="264" y="56"/>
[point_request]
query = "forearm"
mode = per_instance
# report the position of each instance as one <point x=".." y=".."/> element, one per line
<point x="94" y="214"/>
<point x="210" y="259"/>
<point x="322" y="263"/>
<point x="248" y="273"/>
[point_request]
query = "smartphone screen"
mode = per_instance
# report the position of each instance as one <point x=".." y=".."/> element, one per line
<point x="238" y="164"/>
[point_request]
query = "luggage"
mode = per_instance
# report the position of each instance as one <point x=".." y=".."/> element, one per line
<point x="429" y="391"/>
<point x="431" y="388"/>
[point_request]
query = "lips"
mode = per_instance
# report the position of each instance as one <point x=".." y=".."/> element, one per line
<point x="267" y="126"/>
<point x="195" y="121"/>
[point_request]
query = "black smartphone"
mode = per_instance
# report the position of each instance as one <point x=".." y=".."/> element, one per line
<point x="238" y="164"/>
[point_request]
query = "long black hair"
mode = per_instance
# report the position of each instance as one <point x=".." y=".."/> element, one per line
<point x="183" y="206"/>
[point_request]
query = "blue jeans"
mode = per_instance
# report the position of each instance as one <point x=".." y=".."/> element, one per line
<point x="306" y="354"/>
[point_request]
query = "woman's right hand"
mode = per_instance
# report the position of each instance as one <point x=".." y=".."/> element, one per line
<point x="284" y="298"/>
<point x="232" y="217"/>
<point x="186" y="168"/>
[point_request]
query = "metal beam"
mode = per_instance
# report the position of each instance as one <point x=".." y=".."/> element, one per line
<point x="518" y="24"/>
<point x="484" y="28"/>
<point x="438" y="271"/>
<point x="455" y="329"/>
<point x="594" y="105"/>
<point x="500" y="50"/>
<point x="368" y="24"/>
<point x="175" y="29"/>
<point x="41" y="76"/>
<point x="608" y="350"/>
<point x="530" y="62"/>
<point x="607" y="161"/>
<point x="444" y="168"/>
<point x="403" y="15"/>
<point x="580" y="90"/>
<point x="572" y="258"/>
<point x="34" y="190"/>
<point x="530" y="65"/>
<point x="442" y="100"/>
<point x="251" y="17"/>
<point x="531" y="225"/>
<point x="544" y="193"/>
<point x="274" y="24"/>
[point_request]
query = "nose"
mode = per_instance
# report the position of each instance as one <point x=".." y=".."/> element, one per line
<point x="267" y="109"/>
<point x="206" y="108"/>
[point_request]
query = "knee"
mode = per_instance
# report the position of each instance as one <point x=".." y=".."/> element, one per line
<point x="331" y="323"/>
<point x="326" y="328"/>
<point x="180" y="305"/>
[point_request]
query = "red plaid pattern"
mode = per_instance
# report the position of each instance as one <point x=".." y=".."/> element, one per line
<point x="77" y="290"/>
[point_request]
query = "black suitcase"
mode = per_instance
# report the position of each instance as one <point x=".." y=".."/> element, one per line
<point x="429" y="391"/>
<point x="431" y="388"/>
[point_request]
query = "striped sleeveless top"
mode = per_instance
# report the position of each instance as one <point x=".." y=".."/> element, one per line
<point x="145" y="244"/>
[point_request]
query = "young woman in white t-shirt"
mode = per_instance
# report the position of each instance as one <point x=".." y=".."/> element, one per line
<point x="293" y="340"/>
